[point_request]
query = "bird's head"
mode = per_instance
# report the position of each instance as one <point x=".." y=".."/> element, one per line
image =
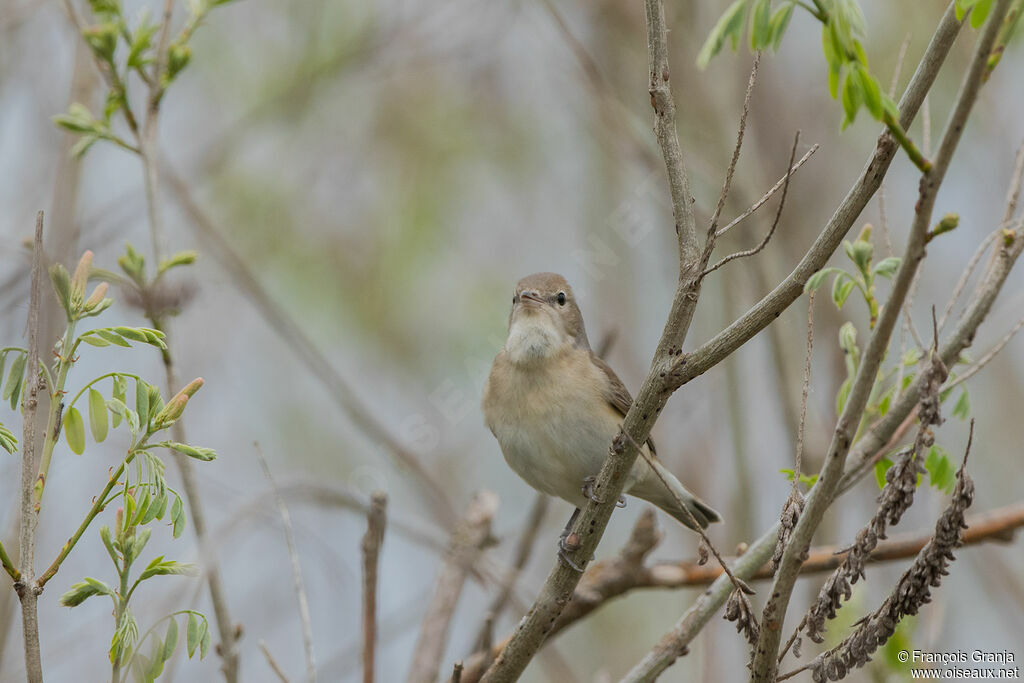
<point x="545" y="319"/>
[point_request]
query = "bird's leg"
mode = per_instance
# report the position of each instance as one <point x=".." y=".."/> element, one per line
<point x="569" y="542"/>
<point x="588" y="491"/>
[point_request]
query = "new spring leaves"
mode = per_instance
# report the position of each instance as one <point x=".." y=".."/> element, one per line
<point x="124" y="48"/>
<point x="138" y="483"/>
<point x="842" y="40"/>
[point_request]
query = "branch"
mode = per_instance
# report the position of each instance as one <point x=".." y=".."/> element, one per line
<point x="467" y="541"/>
<point x="769" y="194"/>
<point x="28" y="590"/>
<point x="523" y="550"/>
<point x="775" y="223"/>
<point x="372" y="540"/>
<point x="300" y="586"/>
<point x="614" y="577"/>
<point x="593" y="518"/>
<point x="669" y="371"/>
<point x="786" y="292"/>
<point x="764" y="667"/>
<point x="273" y="663"/>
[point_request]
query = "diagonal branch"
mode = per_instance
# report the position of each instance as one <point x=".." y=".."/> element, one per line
<point x="764" y="667"/>
<point x="467" y="542"/>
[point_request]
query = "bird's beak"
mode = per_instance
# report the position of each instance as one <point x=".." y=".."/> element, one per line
<point x="530" y="297"/>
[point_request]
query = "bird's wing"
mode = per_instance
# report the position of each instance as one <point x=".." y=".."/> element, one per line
<point x="617" y="394"/>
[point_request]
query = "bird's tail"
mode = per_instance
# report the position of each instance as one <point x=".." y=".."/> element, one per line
<point x="664" y="490"/>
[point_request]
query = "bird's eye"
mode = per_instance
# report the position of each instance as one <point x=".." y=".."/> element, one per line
<point x="560" y="298"/>
<point x="515" y="299"/>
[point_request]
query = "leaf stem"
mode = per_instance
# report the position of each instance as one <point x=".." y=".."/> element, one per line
<point x="906" y="143"/>
<point x="97" y="507"/>
<point x="66" y="359"/>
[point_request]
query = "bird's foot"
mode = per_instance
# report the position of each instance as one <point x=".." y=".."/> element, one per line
<point x="588" y="490"/>
<point x="569" y="543"/>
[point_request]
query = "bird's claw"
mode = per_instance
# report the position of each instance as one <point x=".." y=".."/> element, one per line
<point x="588" y="491"/>
<point x="569" y="543"/>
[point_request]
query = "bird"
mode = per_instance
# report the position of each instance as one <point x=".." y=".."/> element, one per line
<point x="554" y="407"/>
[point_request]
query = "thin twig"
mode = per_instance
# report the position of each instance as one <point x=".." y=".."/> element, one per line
<point x="727" y="184"/>
<point x="984" y="360"/>
<point x="521" y="555"/>
<point x="28" y="590"/>
<point x="739" y="584"/>
<point x="293" y="554"/>
<point x="965" y="276"/>
<point x="775" y="223"/>
<point x="886" y="237"/>
<point x="273" y="663"/>
<point x="1013" y="193"/>
<point x="769" y="194"/>
<point x="372" y="540"/>
<point x="467" y="542"/>
<point x="803" y="394"/>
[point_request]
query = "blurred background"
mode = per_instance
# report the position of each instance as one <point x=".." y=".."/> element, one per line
<point x="388" y="171"/>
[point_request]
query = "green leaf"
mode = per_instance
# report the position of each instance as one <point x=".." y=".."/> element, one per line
<point x="881" y="467"/>
<point x="815" y="281"/>
<point x="760" y="25"/>
<point x="170" y="640"/>
<point x="74" y="430"/>
<point x="729" y="25"/>
<point x="177" y="517"/>
<point x="852" y="99"/>
<point x="192" y="635"/>
<point x="779" y="23"/>
<point x="119" y="410"/>
<point x="78" y="120"/>
<point x="941" y="473"/>
<point x="848" y="338"/>
<point x="842" y="395"/>
<point x="94" y="341"/>
<point x="205" y="454"/>
<point x="138" y="543"/>
<point x="14" y="378"/>
<point x="841" y="288"/>
<point x="980" y="13"/>
<point x="887" y="267"/>
<point x="111" y="337"/>
<point x="872" y="92"/>
<point x="182" y="258"/>
<point x="108" y="543"/>
<point x="141" y="41"/>
<point x="161" y="567"/>
<point x="7" y="440"/>
<point x="885" y="404"/>
<point x="861" y="253"/>
<point x="142" y="403"/>
<point x="118" y="393"/>
<point x="83" y="590"/>
<point x="962" y="409"/>
<point x="97" y="416"/>
<point x="204" y="639"/>
<point x="62" y="286"/>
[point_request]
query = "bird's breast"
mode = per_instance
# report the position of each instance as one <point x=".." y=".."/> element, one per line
<point x="552" y="421"/>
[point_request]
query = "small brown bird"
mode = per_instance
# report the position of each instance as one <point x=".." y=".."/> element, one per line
<point x="555" y="407"/>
